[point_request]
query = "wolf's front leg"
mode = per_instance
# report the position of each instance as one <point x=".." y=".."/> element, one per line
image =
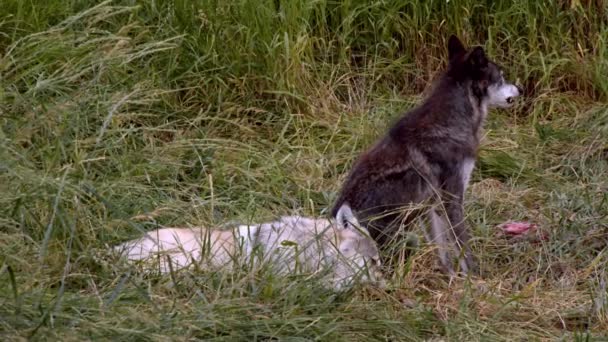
<point x="441" y="235"/>
<point x="452" y="198"/>
<point x="455" y="213"/>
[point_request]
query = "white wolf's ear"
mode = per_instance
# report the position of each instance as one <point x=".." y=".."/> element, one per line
<point x="455" y="47"/>
<point x="345" y="217"/>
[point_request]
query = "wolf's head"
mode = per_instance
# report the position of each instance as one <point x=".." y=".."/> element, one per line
<point x="486" y="77"/>
<point x="357" y="246"/>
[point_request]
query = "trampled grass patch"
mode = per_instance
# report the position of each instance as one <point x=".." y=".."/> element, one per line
<point x="120" y="116"/>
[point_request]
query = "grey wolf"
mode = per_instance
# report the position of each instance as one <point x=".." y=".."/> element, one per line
<point x="340" y="247"/>
<point x="424" y="162"/>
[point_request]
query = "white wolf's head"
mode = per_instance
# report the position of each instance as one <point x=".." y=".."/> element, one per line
<point x="358" y="249"/>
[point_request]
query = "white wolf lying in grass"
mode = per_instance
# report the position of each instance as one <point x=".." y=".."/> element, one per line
<point x="340" y="247"/>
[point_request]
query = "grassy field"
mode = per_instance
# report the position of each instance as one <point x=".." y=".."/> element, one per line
<point x="120" y="116"/>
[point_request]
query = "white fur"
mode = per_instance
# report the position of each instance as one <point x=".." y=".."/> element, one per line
<point x="247" y="235"/>
<point x="465" y="172"/>
<point x="499" y="94"/>
<point x="290" y="244"/>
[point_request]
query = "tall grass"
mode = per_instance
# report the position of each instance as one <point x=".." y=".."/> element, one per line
<point x="119" y="116"/>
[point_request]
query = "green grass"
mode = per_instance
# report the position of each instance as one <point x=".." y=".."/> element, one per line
<point x="204" y="112"/>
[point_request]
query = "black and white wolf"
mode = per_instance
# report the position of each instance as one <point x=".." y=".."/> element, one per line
<point x="424" y="162"/>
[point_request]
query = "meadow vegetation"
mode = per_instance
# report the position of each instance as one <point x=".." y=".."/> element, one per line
<point x="120" y="116"/>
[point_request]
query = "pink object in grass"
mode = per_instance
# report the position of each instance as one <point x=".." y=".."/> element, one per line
<point x="517" y="228"/>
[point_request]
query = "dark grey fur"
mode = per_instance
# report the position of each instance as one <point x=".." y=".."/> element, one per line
<point x="424" y="159"/>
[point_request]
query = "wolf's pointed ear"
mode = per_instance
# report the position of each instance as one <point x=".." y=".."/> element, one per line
<point x="345" y="217"/>
<point x="455" y="47"/>
<point x="477" y="58"/>
<point x="346" y="220"/>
